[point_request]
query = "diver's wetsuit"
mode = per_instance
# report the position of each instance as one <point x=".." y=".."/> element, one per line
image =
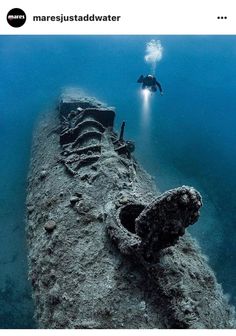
<point x="159" y="86"/>
<point x="150" y="82"/>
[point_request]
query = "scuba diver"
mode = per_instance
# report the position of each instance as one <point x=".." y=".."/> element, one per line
<point x="150" y="83"/>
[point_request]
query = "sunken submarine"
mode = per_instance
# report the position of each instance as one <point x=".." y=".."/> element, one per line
<point x="106" y="249"/>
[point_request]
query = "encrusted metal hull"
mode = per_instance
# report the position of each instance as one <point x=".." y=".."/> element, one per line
<point x="106" y="250"/>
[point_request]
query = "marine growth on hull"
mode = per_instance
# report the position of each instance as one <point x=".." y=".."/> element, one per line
<point x="106" y="248"/>
<point x="82" y="127"/>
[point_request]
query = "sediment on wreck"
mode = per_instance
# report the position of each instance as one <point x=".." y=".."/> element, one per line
<point x="106" y="249"/>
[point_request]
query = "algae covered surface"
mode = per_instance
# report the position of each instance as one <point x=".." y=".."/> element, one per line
<point x="186" y="137"/>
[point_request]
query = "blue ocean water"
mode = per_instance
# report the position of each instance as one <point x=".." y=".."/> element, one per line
<point x="187" y="136"/>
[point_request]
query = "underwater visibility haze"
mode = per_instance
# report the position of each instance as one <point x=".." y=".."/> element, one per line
<point x="185" y="137"/>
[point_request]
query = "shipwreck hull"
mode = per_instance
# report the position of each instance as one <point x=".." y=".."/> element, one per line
<point x="106" y="250"/>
